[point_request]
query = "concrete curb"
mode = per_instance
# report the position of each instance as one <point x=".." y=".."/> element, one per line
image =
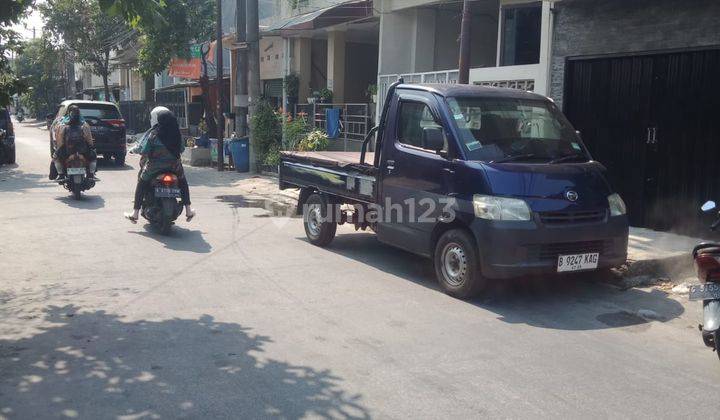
<point x="668" y="266"/>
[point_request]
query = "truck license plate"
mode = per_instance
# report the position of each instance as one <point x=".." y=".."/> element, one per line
<point x="704" y="291"/>
<point x="578" y="262"/>
<point x="167" y="192"/>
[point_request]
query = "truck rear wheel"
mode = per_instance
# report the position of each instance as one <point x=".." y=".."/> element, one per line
<point x="319" y="228"/>
<point x="457" y="265"/>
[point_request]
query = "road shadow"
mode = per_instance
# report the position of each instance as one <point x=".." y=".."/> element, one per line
<point x="95" y="365"/>
<point x="15" y="180"/>
<point x="86" y="202"/>
<point x="179" y="239"/>
<point x="568" y="302"/>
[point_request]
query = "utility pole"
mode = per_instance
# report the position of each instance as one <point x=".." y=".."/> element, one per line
<point x="464" y="64"/>
<point x="242" y="70"/>
<point x="253" y="41"/>
<point x="219" y="73"/>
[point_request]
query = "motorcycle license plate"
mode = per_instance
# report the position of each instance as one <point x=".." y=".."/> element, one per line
<point x="76" y="171"/>
<point x="577" y="262"/>
<point x="167" y="192"/>
<point x="706" y="291"/>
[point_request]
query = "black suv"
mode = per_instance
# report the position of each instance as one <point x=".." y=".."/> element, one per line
<point x="106" y="124"/>
<point x="7" y="144"/>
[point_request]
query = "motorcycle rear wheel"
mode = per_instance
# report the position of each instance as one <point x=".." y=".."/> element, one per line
<point x="165" y="225"/>
<point x="76" y="192"/>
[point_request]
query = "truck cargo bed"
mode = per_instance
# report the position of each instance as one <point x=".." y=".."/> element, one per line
<point x="339" y="173"/>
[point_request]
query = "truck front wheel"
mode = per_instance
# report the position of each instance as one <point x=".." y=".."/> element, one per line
<point x="319" y="228"/>
<point x="457" y="264"/>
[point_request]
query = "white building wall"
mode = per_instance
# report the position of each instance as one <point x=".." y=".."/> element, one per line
<point x="416" y="40"/>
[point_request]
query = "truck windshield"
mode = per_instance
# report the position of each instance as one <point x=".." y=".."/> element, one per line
<point x="515" y="130"/>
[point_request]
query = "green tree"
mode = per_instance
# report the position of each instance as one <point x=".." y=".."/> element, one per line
<point x="135" y="12"/>
<point x="182" y="24"/>
<point x="11" y="12"/>
<point x="41" y="66"/>
<point x="88" y="31"/>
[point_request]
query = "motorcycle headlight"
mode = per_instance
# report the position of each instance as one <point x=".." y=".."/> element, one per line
<point x="617" y="205"/>
<point x="500" y="208"/>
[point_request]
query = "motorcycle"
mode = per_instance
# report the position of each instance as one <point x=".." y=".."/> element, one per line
<point x="707" y="263"/>
<point x="76" y="180"/>
<point x="20" y="117"/>
<point x="160" y="205"/>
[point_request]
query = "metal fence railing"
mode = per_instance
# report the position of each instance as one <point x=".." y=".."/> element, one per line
<point x="355" y="122"/>
<point x="137" y="114"/>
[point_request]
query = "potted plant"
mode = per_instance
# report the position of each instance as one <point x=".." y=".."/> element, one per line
<point x="314" y="98"/>
<point x="326" y="95"/>
<point x="372" y="92"/>
<point x="291" y="84"/>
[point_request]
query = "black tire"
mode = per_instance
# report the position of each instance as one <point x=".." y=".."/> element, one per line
<point x="164" y="226"/>
<point x="76" y="192"/>
<point x="318" y="229"/>
<point x="457" y="265"/>
<point x="120" y="159"/>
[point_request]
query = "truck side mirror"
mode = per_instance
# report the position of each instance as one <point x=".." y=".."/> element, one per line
<point x="433" y="139"/>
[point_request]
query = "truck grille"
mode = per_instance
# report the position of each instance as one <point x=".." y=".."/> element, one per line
<point x="552" y="251"/>
<point x="572" y="217"/>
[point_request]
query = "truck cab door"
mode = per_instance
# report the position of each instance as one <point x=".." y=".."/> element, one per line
<point x="415" y="178"/>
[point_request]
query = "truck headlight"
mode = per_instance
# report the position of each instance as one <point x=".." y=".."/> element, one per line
<point x="500" y="208"/>
<point x="617" y="205"/>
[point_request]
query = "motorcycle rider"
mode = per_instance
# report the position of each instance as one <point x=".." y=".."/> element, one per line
<point x="73" y="135"/>
<point x="160" y="147"/>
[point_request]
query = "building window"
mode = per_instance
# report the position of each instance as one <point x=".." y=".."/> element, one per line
<point x="521" y="34"/>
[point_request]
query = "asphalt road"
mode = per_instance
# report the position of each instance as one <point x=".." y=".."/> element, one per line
<point x="235" y="315"/>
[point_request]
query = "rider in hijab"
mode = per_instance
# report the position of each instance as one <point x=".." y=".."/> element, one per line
<point x="160" y="147"/>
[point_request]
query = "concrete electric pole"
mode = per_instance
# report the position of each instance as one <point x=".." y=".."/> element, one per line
<point x="464" y="64"/>
<point x="241" y="89"/>
<point x="219" y="73"/>
<point x="253" y="42"/>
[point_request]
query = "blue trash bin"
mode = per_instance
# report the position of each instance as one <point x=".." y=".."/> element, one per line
<point x="240" y="151"/>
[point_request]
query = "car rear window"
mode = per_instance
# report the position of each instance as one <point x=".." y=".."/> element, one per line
<point x="101" y="111"/>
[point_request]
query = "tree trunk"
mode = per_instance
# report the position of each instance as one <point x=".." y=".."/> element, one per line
<point x="105" y="75"/>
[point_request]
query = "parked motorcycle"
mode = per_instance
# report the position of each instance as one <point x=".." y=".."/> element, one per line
<point x="77" y="180"/>
<point x="707" y="262"/>
<point x="160" y="205"/>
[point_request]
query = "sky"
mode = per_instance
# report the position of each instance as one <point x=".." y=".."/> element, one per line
<point x="25" y="27"/>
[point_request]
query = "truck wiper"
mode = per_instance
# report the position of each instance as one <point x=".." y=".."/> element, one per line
<point x="566" y="158"/>
<point x="514" y="158"/>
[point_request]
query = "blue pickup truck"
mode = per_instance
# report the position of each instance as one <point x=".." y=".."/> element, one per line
<point x="490" y="183"/>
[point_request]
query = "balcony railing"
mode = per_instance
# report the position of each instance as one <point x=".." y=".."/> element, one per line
<point x="525" y="77"/>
